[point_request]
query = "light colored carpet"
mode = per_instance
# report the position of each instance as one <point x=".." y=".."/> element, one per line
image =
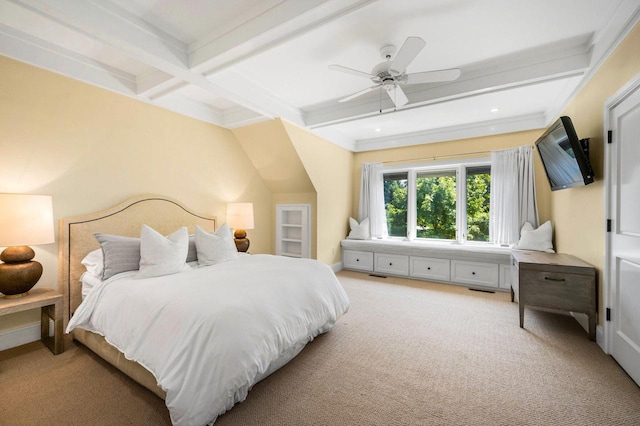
<point x="407" y="353"/>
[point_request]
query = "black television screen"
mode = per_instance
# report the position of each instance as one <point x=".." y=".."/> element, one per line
<point x="564" y="156"/>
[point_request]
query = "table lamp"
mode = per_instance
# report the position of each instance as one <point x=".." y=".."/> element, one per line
<point x="24" y="220"/>
<point x="239" y="218"/>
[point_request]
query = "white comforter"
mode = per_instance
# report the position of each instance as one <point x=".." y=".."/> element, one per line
<point x="208" y="334"/>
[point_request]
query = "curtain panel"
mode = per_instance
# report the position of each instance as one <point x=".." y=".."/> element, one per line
<point x="513" y="194"/>
<point x="372" y="199"/>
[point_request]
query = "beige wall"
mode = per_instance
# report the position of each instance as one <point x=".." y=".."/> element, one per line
<point x="272" y="153"/>
<point x="453" y="150"/>
<point x="330" y="170"/>
<point x="90" y="149"/>
<point x="579" y="213"/>
<point x="302" y="168"/>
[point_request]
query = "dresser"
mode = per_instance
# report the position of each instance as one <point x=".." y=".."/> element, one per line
<point x="554" y="281"/>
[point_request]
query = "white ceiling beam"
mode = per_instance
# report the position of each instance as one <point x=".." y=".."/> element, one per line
<point x="473" y="130"/>
<point x="28" y="49"/>
<point x="490" y="76"/>
<point x="265" y="103"/>
<point x="275" y="25"/>
<point x="105" y="22"/>
<point x="133" y="37"/>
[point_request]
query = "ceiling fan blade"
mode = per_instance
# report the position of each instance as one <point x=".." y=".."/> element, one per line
<point x="397" y="96"/>
<point x="360" y="93"/>
<point x="350" y="71"/>
<point x="432" y="76"/>
<point x="409" y="50"/>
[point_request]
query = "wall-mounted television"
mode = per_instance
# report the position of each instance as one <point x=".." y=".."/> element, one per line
<point x="564" y="156"/>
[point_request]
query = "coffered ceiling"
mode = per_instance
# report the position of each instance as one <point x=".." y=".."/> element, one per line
<point x="238" y="62"/>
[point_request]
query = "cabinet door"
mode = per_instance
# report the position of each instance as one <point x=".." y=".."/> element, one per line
<point x="392" y="264"/>
<point x="359" y="260"/>
<point x="430" y="268"/>
<point x="483" y="274"/>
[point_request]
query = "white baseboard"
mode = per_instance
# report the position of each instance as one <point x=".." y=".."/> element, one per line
<point x="19" y="336"/>
<point x="22" y="335"/>
<point x="600" y="339"/>
<point x="337" y="267"/>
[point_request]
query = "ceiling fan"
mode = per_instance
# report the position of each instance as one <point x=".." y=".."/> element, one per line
<point x="390" y="75"/>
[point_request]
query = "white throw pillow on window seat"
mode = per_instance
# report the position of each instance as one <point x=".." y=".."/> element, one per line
<point x="359" y="231"/>
<point x="536" y="239"/>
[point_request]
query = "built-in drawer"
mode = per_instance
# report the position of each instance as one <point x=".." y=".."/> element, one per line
<point x="392" y="264"/>
<point x="430" y="268"/>
<point x="360" y="260"/>
<point x="475" y="273"/>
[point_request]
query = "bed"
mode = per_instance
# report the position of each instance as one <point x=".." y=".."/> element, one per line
<point x="202" y="337"/>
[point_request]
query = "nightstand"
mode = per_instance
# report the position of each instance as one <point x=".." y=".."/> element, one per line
<point x="555" y="281"/>
<point x="50" y="303"/>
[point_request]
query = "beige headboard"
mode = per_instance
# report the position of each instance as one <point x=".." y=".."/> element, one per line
<point x="76" y="235"/>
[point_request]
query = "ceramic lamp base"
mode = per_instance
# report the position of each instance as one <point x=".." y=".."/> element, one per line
<point x="18" y="273"/>
<point x="241" y="240"/>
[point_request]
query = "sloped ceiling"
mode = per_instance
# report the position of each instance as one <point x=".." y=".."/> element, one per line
<point x="234" y="63"/>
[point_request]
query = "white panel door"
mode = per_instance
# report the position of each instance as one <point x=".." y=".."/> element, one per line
<point x="624" y="238"/>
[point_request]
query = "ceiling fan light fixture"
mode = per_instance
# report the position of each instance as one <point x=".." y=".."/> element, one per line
<point x="391" y="73"/>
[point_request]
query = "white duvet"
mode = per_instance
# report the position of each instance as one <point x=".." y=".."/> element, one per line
<point x="208" y="334"/>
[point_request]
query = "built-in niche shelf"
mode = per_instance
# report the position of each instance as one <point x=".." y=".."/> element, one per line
<point x="293" y="236"/>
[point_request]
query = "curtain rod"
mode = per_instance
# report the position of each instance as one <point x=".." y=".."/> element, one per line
<point x="438" y="157"/>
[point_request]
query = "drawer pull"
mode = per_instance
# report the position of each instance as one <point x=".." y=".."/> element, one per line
<point x="357" y="260"/>
<point x="390" y="264"/>
<point x="428" y="268"/>
<point x="554" y="279"/>
<point x="473" y="273"/>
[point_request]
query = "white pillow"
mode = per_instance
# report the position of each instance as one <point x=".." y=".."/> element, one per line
<point x="215" y="248"/>
<point x="160" y="255"/>
<point x="359" y="231"/>
<point x="94" y="262"/>
<point x="536" y="239"/>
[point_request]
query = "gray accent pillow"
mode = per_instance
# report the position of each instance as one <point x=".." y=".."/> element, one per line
<point x="192" y="254"/>
<point x="121" y="254"/>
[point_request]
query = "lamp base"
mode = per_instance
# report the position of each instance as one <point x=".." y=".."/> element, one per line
<point x="241" y="240"/>
<point x="18" y="273"/>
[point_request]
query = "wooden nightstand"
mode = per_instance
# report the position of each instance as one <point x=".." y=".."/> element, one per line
<point x="555" y="281"/>
<point x="50" y="302"/>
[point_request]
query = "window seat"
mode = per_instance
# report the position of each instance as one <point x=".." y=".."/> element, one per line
<point x="472" y="265"/>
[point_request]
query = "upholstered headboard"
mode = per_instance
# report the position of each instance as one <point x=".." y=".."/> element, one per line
<point x="76" y="235"/>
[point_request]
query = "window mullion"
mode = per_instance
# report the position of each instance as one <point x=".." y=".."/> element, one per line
<point x="411" y="205"/>
<point x="461" y="204"/>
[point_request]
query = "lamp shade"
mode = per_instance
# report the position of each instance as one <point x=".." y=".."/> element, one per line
<point x="25" y="220"/>
<point x="240" y="215"/>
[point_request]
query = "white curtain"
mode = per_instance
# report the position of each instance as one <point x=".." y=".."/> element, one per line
<point x="372" y="199"/>
<point x="513" y="194"/>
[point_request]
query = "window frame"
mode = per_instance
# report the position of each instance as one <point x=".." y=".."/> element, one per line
<point x="460" y="168"/>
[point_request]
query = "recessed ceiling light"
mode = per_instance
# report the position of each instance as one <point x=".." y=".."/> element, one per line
<point x="377" y="130"/>
<point x="495" y="109"/>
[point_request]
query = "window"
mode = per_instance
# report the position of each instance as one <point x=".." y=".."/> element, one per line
<point x="478" y="198"/>
<point x="439" y="201"/>
<point x="395" y="203"/>
<point x="436" y="204"/>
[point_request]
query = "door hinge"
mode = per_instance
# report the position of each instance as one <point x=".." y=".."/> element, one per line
<point x="608" y="314"/>
<point x="610" y="136"/>
<point x="608" y="225"/>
